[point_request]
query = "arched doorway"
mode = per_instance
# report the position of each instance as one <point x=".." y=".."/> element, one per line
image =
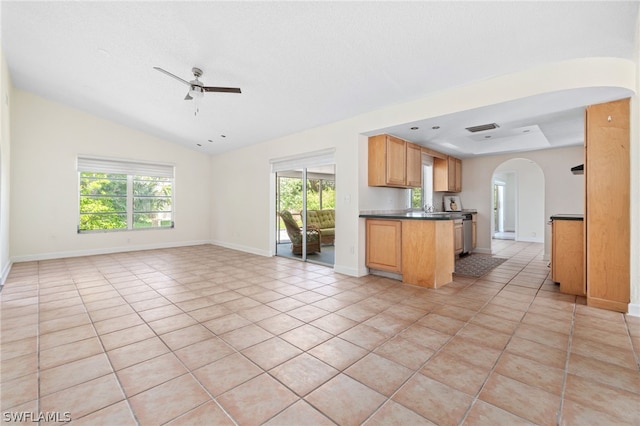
<point x="518" y="201"/>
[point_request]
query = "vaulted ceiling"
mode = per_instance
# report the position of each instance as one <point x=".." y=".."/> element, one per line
<point x="305" y="64"/>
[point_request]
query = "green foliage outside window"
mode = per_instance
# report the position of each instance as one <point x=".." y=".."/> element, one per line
<point x="416" y="198"/>
<point x="151" y="202"/>
<point x="321" y="194"/>
<point x="103" y="201"/>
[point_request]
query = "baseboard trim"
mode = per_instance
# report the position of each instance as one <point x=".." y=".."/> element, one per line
<point x="634" y="309"/>
<point x="352" y="272"/>
<point x="481" y="251"/>
<point x="5" y="273"/>
<point x="245" y="249"/>
<point x="530" y="240"/>
<point x="611" y="305"/>
<point x="110" y="250"/>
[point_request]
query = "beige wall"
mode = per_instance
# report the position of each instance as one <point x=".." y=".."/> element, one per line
<point x="46" y="139"/>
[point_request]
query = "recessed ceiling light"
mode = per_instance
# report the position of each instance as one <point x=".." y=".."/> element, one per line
<point x="487" y="137"/>
<point x="199" y="144"/>
<point x="415" y="128"/>
<point x="210" y="140"/>
<point x="435" y="127"/>
<point x="526" y="131"/>
<point x="223" y="136"/>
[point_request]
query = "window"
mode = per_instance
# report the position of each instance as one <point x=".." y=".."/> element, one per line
<point x="122" y="195"/>
<point x="423" y="197"/>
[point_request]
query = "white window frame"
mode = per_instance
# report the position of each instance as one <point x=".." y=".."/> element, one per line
<point x="129" y="168"/>
<point x="426" y="189"/>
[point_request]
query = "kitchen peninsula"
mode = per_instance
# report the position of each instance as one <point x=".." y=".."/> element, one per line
<point x="417" y="245"/>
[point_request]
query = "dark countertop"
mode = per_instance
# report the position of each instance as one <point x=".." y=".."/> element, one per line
<point x="417" y="215"/>
<point x="567" y="217"/>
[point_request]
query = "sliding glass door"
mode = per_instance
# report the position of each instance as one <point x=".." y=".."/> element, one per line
<point x="305" y="213"/>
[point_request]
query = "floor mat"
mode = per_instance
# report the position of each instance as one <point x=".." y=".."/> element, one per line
<point x="476" y="265"/>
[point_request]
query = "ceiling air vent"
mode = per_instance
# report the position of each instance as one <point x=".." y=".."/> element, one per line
<point x="482" y="127"/>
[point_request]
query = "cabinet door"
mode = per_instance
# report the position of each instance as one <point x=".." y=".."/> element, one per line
<point x="447" y="174"/>
<point x="396" y="161"/>
<point x="457" y="233"/>
<point x="414" y="165"/>
<point x="451" y="174"/>
<point x="458" y="175"/>
<point x="607" y="192"/>
<point x="440" y="174"/>
<point x="567" y="254"/>
<point x="384" y="245"/>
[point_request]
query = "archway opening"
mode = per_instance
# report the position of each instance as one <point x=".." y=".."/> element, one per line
<point x="518" y="202"/>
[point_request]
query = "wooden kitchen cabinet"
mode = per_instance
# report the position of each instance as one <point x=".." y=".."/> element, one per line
<point x="427" y="252"/>
<point x="420" y="250"/>
<point x="567" y="255"/>
<point x="607" y="198"/>
<point x="414" y="165"/>
<point x="394" y="162"/>
<point x="384" y="245"/>
<point x="457" y="237"/>
<point x="447" y="174"/>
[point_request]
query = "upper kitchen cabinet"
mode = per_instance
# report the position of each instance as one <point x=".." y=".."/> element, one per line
<point x="447" y="174"/>
<point x="607" y="217"/>
<point x="394" y="162"/>
<point x="414" y="165"/>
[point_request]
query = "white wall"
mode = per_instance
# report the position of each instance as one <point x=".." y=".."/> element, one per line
<point x="509" y="192"/>
<point x="5" y="167"/>
<point x="563" y="191"/>
<point x="46" y="139"/>
<point x="524" y="199"/>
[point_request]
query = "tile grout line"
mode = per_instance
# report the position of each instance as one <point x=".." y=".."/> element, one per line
<point x="467" y="322"/>
<point x="566" y="365"/>
<point x="634" y="351"/>
<point x="493" y="368"/>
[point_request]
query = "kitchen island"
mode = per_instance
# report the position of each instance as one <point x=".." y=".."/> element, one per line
<point x="417" y="246"/>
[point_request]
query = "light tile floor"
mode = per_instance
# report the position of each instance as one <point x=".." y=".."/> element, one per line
<point x="207" y="335"/>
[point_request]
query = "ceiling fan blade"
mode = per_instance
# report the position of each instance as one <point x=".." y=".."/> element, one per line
<point x="172" y="75"/>
<point x="222" y="89"/>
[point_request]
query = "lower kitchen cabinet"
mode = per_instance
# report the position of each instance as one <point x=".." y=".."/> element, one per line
<point x="567" y="255"/>
<point x="458" y="241"/>
<point x="384" y="245"/>
<point x="420" y="250"/>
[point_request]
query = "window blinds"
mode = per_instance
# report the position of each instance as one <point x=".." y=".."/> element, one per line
<point x="305" y="160"/>
<point x="136" y="168"/>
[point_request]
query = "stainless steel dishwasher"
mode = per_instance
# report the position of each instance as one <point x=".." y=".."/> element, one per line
<point x="467" y="230"/>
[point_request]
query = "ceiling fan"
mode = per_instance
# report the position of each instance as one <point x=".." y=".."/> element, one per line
<point x="196" y="88"/>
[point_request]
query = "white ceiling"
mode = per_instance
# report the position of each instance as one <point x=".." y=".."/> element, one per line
<point x="304" y="64"/>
